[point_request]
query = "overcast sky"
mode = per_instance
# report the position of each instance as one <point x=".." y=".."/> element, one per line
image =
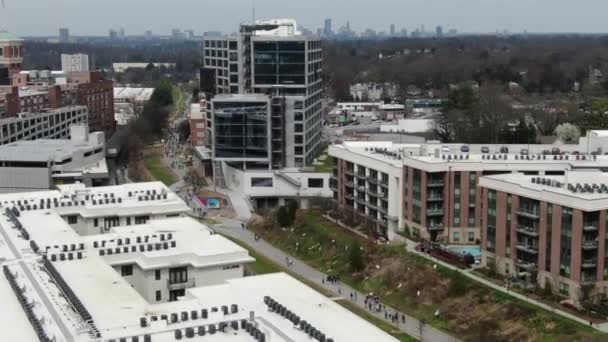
<point x="95" y="17"/>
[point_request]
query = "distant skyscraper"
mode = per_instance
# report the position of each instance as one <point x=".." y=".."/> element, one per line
<point x="149" y="34"/>
<point x="64" y="35"/>
<point x="113" y="34"/>
<point x="327" y="29"/>
<point x="439" y="31"/>
<point x="348" y="26"/>
<point x="392" y="30"/>
<point x="122" y="33"/>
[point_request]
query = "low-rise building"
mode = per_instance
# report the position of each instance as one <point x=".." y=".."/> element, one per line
<point x="122" y="67"/>
<point x="199" y="135"/>
<point x="549" y="230"/>
<point x="145" y="272"/>
<point x="43" y="163"/>
<point x="74" y="63"/>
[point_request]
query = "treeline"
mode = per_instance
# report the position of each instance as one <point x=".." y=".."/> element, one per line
<point x="540" y="64"/>
<point x="151" y="124"/>
<point x="186" y="55"/>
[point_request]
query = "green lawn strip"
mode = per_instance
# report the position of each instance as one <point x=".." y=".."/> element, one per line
<point x="385" y="326"/>
<point x="264" y="265"/>
<point x="327" y="164"/>
<point x="159" y="170"/>
<point x="319" y="229"/>
<point x="178" y="101"/>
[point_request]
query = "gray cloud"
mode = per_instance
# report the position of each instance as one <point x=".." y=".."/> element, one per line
<point x="44" y="17"/>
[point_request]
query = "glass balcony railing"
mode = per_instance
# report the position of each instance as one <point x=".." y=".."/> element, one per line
<point x="529" y="213"/>
<point x="530" y="231"/>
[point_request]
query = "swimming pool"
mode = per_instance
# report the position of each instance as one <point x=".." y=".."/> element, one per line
<point x="475" y="251"/>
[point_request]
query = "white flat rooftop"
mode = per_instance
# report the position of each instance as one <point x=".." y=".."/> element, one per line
<point x="43" y="149"/>
<point x="115" y="307"/>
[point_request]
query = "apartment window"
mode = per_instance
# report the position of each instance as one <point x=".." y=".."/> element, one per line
<point x="456" y="236"/>
<point x="126" y="270"/>
<point x="72" y="219"/>
<point x="315" y="182"/>
<point x="95" y="222"/>
<point x="471" y="236"/>
<point x="261" y="182"/>
<point x="158" y="296"/>
<point x="128" y="221"/>
<point x="564" y="289"/>
<point x="141" y="219"/>
<point x="156" y="274"/>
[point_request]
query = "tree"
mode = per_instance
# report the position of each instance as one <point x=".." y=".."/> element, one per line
<point x="292" y="208"/>
<point x="163" y="94"/>
<point x="184" y="130"/>
<point x="568" y="132"/>
<point x="195" y="92"/>
<point x="283" y="217"/>
<point x="355" y="257"/>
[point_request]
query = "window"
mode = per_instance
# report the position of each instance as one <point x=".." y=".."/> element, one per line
<point x="471" y="236"/>
<point x="141" y="219"/>
<point x="261" y="182"/>
<point x="456" y="236"/>
<point x="507" y="268"/>
<point x="315" y="182"/>
<point x="156" y="274"/>
<point x="126" y="270"/>
<point x="95" y="222"/>
<point x="158" y="296"/>
<point x="72" y="219"/>
<point x="564" y="289"/>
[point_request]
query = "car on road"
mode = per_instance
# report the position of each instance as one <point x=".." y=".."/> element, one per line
<point x="464" y="148"/>
<point x="504" y="149"/>
<point x="524" y="151"/>
<point x="485" y="149"/>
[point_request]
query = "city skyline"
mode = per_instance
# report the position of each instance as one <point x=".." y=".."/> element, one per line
<point x="466" y="16"/>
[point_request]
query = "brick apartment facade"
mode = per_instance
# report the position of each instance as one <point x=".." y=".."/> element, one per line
<point x="547" y="230"/>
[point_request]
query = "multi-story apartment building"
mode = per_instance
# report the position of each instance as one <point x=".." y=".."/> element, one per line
<point x="125" y="263"/>
<point x="549" y="229"/>
<point x="51" y="124"/>
<point x="274" y="59"/>
<point x="438" y="196"/>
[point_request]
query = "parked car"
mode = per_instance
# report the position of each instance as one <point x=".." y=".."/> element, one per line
<point x="464" y="148"/>
<point x="445" y="149"/>
<point x="555" y="150"/>
<point x="504" y="149"/>
<point x="524" y="151"/>
<point x="485" y="149"/>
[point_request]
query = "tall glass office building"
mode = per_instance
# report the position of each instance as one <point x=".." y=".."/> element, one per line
<point x="272" y="58"/>
<point x="241" y="128"/>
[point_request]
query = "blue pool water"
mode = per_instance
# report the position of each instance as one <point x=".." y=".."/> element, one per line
<point x="475" y="251"/>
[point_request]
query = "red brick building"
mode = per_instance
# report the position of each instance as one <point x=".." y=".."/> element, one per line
<point x="548" y="229"/>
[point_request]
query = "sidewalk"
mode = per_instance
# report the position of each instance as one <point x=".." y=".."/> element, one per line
<point x="412" y="326"/>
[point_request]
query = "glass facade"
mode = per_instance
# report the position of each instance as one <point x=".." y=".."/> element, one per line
<point x="241" y="130"/>
<point x="491" y="238"/>
<point x="280" y="62"/>
<point x="566" y="242"/>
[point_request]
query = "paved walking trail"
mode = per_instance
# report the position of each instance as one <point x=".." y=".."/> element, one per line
<point x="412" y="327"/>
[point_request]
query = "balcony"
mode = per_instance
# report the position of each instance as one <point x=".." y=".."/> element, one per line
<point x="361" y="175"/>
<point x="372" y="192"/>
<point x="434" y="212"/>
<point x="434" y="227"/>
<point x="349" y="196"/>
<point x="529" y="213"/>
<point x="434" y="183"/>
<point x="588" y="278"/>
<point x="438" y="197"/>
<point x="384" y="194"/>
<point x="372" y="180"/>
<point x="173" y="285"/>
<point x="528" y="248"/>
<point x="361" y="188"/>
<point x="589" y="263"/>
<point x="350" y="185"/>
<point x="590" y="227"/>
<point x="384" y="184"/>
<point x="360" y="200"/>
<point x="350" y="172"/>
<point x="527" y="230"/>
<point x="528" y="266"/>
<point x="372" y="205"/>
<point x="383" y="210"/>
<point x="590" y="244"/>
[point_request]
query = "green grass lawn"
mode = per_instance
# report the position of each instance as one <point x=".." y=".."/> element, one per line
<point x="468" y="309"/>
<point x="178" y="101"/>
<point x="327" y="164"/>
<point x="159" y="170"/>
<point x="263" y="265"/>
